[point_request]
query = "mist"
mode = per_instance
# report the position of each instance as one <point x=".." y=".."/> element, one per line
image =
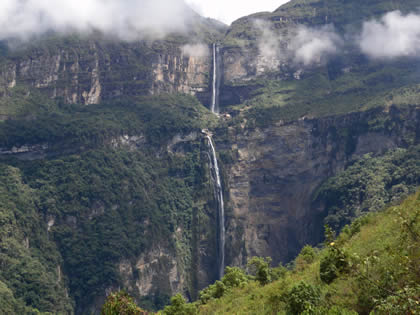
<point x="125" y="19"/>
<point x="268" y="40"/>
<point x="313" y="45"/>
<point x="196" y="50"/>
<point x="306" y="45"/>
<point x="394" y="35"/>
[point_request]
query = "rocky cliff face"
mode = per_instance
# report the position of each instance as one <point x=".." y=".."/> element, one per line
<point x="186" y="262"/>
<point x="192" y="264"/>
<point x="279" y="168"/>
<point x="179" y="73"/>
<point x="269" y="178"/>
<point x="93" y="71"/>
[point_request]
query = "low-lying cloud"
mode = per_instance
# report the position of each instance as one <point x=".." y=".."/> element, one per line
<point x="313" y="45"/>
<point x="125" y="19"/>
<point x="306" y="46"/>
<point x="395" y="35"/>
<point x="268" y="41"/>
<point x="196" y="50"/>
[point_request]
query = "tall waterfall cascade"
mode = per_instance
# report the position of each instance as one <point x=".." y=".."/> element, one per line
<point x="215" y="80"/>
<point x="218" y="191"/>
<point x="215" y="172"/>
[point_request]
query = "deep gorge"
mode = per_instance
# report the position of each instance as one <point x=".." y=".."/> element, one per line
<point x="137" y="165"/>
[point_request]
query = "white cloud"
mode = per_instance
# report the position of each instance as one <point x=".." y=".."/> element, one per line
<point x="312" y="45"/>
<point x="196" y="50"/>
<point x="395" y="35"/>
<point x="305" y="46"/>
<point x="126" y="19"/>
<point x="268" y="40"/>
<point x="123" y="18"/>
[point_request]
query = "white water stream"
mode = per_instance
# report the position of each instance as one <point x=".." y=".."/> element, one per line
<point x="217" y="183"/>
<point x="218" y="191"/>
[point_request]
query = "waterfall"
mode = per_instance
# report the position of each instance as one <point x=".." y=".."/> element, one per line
<point x="215" y="172"/>
<point x="216" y="81"/>
<point x="218" y="191"/>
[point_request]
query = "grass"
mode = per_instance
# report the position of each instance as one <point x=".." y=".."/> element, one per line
<point x="319" y="94"/>
<point x="382" y="251"/>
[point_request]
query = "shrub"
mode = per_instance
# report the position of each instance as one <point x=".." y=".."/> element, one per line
<point x="234" y="277"/>
<point x="121" y="303"/>
<point x="260" y="268"/>
<point x="405" y="301"/>
<point x="335" y="261"/>
<point x="332" y="264"/>
<point x="179" y="307"/>
<point x="335" y="310"/>
<point x="306" y="256"/>
<point x="302" y="297"/>
<point x="213" y="291"/>
<point x="278" y="273"/>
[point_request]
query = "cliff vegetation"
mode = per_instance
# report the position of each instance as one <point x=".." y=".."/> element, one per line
<point x="370" y="268"/>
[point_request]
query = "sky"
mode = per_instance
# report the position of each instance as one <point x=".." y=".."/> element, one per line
<point x="393" y="35"/>
<point x="125" y="19"/>
<point x="229" y="10"/>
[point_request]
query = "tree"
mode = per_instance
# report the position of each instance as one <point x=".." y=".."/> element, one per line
<point x="179" y="307"/>
<point x="260" y="267"/>
<point x="121" y="303"/>
<point x="303" y="297"/>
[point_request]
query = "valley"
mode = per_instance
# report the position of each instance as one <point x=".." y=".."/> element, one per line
<point x="151" y="165"/>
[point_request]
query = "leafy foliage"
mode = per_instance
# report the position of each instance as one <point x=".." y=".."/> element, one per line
<point x="369" y="184"/>
<point x="260" y="268"/>
<point x="234" y="277"/>
<point x="30" y="278"/>
<point x="303" y="297"/>
<point x="374" y="270"/>
<point x="120" y="303"/>
<point x="306" y="256"/>
<point x="332" y="264"/>
<point x="104" y="204"/>
<point x="405" y="301"/>
<point x="179" y="307"/>
<point x="317" y="95"/>
<point x="158" y="118"/>
<point x="111" y="216"/>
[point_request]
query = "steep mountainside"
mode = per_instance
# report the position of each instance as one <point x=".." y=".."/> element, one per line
<point x="298" y="120"/>
<point x="277" y="170"/>
<point x="105" y="163"/>
<point x="371" y="268"/>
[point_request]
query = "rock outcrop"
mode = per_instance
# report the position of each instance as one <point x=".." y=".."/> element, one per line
<point x="278" y="169"/>
<point x="93" y="71"/>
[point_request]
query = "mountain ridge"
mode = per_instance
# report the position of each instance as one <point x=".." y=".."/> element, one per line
<point x="107" y="136"/>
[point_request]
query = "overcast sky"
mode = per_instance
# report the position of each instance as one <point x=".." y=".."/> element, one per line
<point x="229" y="10"/>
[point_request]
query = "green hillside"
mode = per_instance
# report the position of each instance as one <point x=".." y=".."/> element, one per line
<point x="371" y="268"/>
<point x="106" y="178"/>
<point x="344" y="82"/>
<point x="105" y="200"/>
